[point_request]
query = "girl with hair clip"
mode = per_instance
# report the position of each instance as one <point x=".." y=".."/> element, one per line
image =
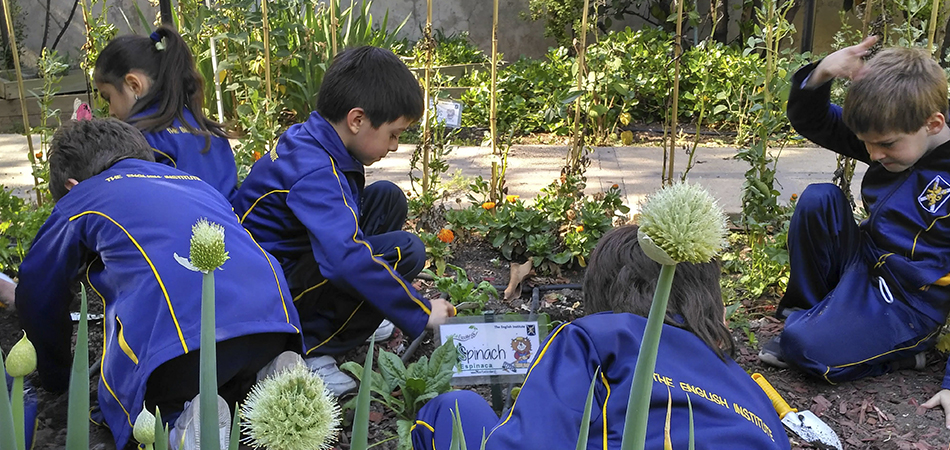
<point x="151" y="83"/>
<point x="693" y="369"/>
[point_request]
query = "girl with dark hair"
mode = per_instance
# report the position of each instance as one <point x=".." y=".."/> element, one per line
<point x="151" y="83"/>
<point x="693" y="370"/>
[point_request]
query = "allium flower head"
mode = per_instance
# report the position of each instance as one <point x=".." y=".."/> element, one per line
<point x="207" y="246"/>
<point x="684" y="222"/>
<point x="289" y="411"/>
<point x="144" y="429"/>
<point x="21" y="361"/>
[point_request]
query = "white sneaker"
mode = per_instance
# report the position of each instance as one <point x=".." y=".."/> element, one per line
<point x="337" y="382"/>
<point x="282" y="362"/>
<point x="185" y="435"/>
<point x="384" y="331"/>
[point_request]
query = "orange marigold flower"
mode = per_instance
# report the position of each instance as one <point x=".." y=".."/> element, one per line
<point x="446" y="235"/>
<point x="615" y="186"/>
<point x="794" y="197"/>
<point x="38" y="155"/>
<point x="579" y="228"/>
<point x="488" y="205"/>
<point x="511" y="198"/>
<point x="256" y="155"/>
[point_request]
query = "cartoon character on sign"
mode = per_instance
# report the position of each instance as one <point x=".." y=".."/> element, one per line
<point x="522" y="347"/>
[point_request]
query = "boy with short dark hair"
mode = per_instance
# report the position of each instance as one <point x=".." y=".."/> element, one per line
<point x="728" y="409"/>
<point x="864" y="300"/>
<point x="119" y="221"/>
<point x="342" y="248"/>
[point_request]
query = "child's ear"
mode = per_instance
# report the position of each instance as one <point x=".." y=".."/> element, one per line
<point x="70" y="183"/>
<point x="138" y="82"/>
<point x="355" y="119"/>
<point x="935" y="123"/>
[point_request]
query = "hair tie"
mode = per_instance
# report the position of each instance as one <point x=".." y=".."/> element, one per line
<point x="158" y="40"/>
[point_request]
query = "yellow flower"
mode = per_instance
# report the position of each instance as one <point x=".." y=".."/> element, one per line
<point x="446" y="235"/>
<point x="512" y="198"/>
<point x="488" y="205"/>
<point x="579" y="229"/>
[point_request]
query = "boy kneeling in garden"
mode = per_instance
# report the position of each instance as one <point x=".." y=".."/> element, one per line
<point x="119" y="224"/>
<point x="730" y="410"/>
<point x="340" y="243"/>
<point x="864" y="300"/>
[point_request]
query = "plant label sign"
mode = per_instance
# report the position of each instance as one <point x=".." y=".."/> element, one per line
<point x="488" y="349"/>
<point x="449" y="112"/>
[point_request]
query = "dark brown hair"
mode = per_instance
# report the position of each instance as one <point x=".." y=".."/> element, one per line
<point x="621" y="278"/>
<point x="83" y="149"/>
<point x="176" y="84"/>
<point x="371" y="78"/>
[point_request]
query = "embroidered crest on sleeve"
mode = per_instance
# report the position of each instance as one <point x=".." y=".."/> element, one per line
<point x="934" y="195"/>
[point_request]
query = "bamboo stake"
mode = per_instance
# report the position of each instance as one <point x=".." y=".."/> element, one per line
<point x="334" y="25"/>
<point x="494" y="81"/>
<point x="674" y="120"/>
<point x="868" y="7"/>
<point x="22" y="91"/>
<point x="426" y="130"/>
<point x="267" y="81"/>
<point x="933" y="27"/>
<point x="217" y="76"/>
<point x="574" y="157"/>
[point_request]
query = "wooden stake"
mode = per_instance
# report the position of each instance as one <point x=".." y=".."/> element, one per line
<point x="933" y="27"/>
<point x="674" y="120"/>
<point x="426" y="130"/>
<point x="22" y="91"/>
<point x="574" y="157"/>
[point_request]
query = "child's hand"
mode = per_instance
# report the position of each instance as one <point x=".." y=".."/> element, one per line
<point x="441" y="310"/>
<point x="7" y="294"/>
<point x="844" y="63"/>
<point x="941" y="399"/>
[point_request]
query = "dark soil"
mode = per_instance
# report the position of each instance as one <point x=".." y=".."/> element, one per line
<point x="876" y="413"/>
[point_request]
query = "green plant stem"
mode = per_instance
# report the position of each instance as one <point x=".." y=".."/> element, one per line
<point x="384" y="441"/>
<point x="638" y="408"/>
<point x="208" y="380"/>
<point x="7" y="431"/>
<point x="77" y="420"/>
<point x="360" y="434"/>
<point x="161" y="431"/>
<point x="16" y="400"/>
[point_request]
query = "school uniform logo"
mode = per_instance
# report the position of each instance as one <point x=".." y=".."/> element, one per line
<point x="934" y="195"/>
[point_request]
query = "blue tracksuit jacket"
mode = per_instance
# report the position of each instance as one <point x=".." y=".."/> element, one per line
<point x="907" y="240"/>
<point x="307" y="198"/>
<point x="730" y="410"/>
<point x="126" y="225"/>
<point x="177" y="147"/>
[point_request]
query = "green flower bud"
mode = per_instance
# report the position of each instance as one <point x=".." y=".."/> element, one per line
<point x="22" y="358"/>
<point x="682" y="222"/>
<point x="207" y="246"/>
<point x="144" y="429"/>
<point x="291" y="410"/>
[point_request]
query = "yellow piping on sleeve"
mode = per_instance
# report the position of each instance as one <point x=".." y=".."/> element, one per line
<point x="158" y="278"/>
<point x="275" y="191"/>
<point x="914" y="248"/>
<point x="356" y="230"/>
<point x="540" y="356"/>
<point x="174" y="164"/>
<point x="276" y="280"/>
<point x="606" y="385"/>
<point x="309" y="289"/>
<point x="123" y="344"/>
<point x="102" y="374"/>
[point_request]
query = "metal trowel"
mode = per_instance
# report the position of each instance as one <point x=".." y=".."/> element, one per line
<point x="803" y="423"/>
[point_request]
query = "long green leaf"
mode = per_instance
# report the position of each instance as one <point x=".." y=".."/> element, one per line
<point x="77" y="420"/>
<point x="585" y="419"/>
<point x="161" y="431"/>
<point x="638" y="407"/>
<point x="361" y="419"/>
<point x="235" y="429"/>
<point x="692" y="432"/>
<point x="208" y="378"/>
<point x="7" y="431"/>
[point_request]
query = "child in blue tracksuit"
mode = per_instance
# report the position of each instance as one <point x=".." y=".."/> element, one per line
<point x="151" y="82"/>
<point x="863" y="300"/>
<point x="729" y="409"/>
<point x="341" y="246"/>
<point x="118" y="224"/>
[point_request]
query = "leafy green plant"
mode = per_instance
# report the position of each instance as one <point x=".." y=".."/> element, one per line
<point x="468" y="297"/>
<point x="438" y="248"/>
<point x="417" y="383"/>
<point x="20" y="220"/>
<point x="51" y="67"/>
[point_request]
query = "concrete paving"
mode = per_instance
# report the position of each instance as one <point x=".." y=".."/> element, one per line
<point x="531" y="167"/>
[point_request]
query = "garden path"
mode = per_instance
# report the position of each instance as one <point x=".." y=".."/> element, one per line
<point x="531" y="167"/>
